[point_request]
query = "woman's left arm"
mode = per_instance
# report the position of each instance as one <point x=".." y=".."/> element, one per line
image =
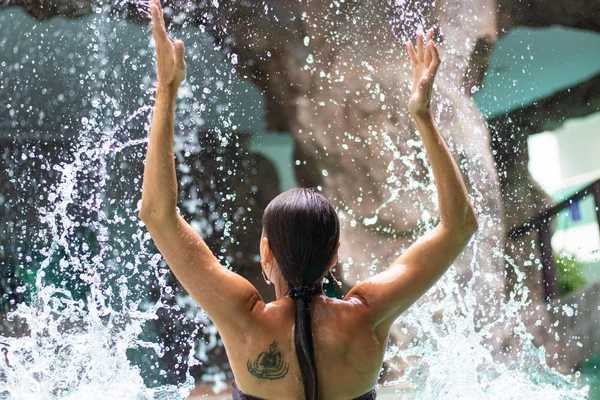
<point x="226" y="297"/>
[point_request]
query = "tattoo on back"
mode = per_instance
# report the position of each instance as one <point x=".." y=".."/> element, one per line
<point x="268" y="364"/>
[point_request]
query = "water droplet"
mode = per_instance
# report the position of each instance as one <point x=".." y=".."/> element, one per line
<point x="370" y="221"/>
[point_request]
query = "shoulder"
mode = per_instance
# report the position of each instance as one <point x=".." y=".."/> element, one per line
<point x="345" y="318"/>
<point x="365" y="297"/>
<point x="322" y="307"/>
<point x="348" y="314"/>
<point x="270" y="315"/>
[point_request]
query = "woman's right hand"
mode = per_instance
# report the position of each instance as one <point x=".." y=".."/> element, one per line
<point x="169" y="55"/>
<point x="425" y="62"/>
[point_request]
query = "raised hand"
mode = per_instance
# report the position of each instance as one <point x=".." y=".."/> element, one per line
<point x="425" y="62"/>
<point x="169" y="55"/>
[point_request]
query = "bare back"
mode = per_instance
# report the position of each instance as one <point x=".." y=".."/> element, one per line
<point x="347" y="352"/>
<point x="349" y="335"/>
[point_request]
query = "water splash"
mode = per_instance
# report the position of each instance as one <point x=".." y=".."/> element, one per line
<point x="93" y="341"/>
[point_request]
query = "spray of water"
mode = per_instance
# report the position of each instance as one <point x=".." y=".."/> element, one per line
<point x="94" y="342"/>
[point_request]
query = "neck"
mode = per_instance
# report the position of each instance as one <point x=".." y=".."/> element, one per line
<point x="282" y="289"/>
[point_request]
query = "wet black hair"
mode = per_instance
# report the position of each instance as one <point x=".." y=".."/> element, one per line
<point x="303" y="231"/>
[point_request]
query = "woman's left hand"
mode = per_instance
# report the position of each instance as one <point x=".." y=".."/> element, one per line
<point x="425" y="62"/>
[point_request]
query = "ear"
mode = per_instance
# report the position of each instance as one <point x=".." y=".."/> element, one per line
<point x="265" y="250"/>
<point x="335" y="259"/>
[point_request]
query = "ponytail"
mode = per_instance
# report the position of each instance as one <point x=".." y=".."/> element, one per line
<point x="303" y="340"/>
<point x="305" y="350"/>
<point x="303" y="231"/>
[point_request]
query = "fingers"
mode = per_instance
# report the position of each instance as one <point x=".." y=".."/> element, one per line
<point x="158" y="6"/>
<point x="428" y="38"/>
<point x="429" y="35"/>
<point x="411" y="53"/>
<point x="435" y="58"/>
<point x="420" y="55"/>
<point x="426" y="52"/>
<point x="158" y="22"/>
<point x="428" y="55"/>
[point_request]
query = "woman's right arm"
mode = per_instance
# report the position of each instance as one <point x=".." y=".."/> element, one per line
<point x="392" y="291"/>
<point x="227" y="298"/>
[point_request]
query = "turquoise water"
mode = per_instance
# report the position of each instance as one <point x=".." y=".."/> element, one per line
<point x="591" y="373"/>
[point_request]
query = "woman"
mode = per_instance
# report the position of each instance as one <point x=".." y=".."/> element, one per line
<point x="304" y="344"/>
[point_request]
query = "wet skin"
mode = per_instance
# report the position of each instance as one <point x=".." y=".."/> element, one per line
<point x="349" y="335"/>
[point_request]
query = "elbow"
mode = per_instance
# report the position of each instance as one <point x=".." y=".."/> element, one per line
<point x="149" y="215"/>
<point x="463" y="224"/>
<point x="144" y="214"/>
<point x="471" y="224"/>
